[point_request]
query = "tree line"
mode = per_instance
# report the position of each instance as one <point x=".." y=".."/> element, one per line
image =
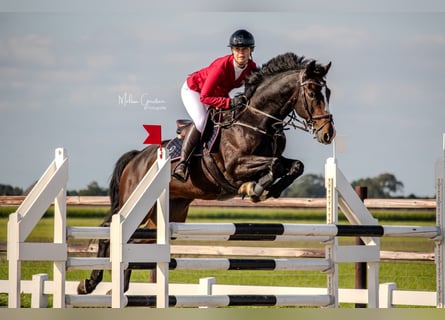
<point x="384" y="185"/>
<point x="92" y="189"/>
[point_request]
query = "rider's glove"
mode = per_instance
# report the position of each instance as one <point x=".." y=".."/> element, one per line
<point x="235" y="101"/>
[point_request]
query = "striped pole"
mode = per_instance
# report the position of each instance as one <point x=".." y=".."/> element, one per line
<point x="307" y="264"/>
<point x="265" y="231"/>
<point x="234" y="300"/>
<point x="240" y="264"/>
<point x="270" y="231"/>
<point x="204" y="300"/>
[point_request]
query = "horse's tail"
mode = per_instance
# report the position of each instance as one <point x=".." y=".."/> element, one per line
<point x="115" y="181"/>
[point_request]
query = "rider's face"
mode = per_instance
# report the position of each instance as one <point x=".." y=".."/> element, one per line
<point x="241" y="55"/>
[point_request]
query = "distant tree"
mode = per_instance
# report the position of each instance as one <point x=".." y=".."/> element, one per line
<point x="384" y="185"/>
<point x="28" y="190"/>
<point x="309" y="185"/>
<point x="72" y="193"/>
<point x="93" y="189"/>
<point x="8" y="190"/>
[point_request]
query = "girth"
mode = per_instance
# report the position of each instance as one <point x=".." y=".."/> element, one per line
<point x="216" y="173"/>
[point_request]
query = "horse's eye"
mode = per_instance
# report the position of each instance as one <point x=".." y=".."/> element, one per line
<point x="311" y="94"/>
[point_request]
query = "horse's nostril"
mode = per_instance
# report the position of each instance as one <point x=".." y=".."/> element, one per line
<point x="327" y="137"/>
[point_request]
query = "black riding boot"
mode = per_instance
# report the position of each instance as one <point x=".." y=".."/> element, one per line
<point x="190" y="141"/>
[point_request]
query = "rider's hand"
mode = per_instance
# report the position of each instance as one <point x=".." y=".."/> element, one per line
<point x="235" y="101"/>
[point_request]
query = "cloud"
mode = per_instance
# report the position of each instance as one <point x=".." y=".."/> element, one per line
<point x="436" y="41"/>
<point x="29" y="88"/>
<point x="100" y="61"/>
<point x="332" y="36"/>
<point x="30" y="49"/>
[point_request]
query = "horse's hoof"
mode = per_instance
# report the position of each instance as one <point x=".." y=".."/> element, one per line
<point x="82" y="287"/>
<point x="262" y="197"/>
<point x="265" y="195"/>
<point x="246" y="189"/>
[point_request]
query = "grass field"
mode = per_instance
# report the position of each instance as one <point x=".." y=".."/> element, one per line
<point x="407" y="275"/>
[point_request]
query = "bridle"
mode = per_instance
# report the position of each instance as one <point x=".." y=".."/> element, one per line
<point x="305" y="124"/>
<point x="308" y="124"/>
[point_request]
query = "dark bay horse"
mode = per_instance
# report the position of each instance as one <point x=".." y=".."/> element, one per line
<point x="247" y="160"/>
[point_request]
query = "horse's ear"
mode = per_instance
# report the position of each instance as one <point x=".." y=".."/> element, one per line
<point x="310" y="67"/>
<point x="326" y="68"/>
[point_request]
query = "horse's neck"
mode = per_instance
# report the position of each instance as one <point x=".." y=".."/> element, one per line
<point x="281" y="90"/>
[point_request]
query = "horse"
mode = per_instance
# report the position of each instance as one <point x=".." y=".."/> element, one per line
<point x="246" y="160"/>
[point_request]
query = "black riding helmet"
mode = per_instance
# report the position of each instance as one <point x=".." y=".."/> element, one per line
<point x="242" y="38"/>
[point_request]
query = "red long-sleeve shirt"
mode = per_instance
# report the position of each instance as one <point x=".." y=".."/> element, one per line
<point x="216" y="81"/>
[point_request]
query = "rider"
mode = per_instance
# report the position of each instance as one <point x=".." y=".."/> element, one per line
<point x="209" y="87"/>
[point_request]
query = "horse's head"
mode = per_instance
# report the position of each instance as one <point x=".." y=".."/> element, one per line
<point x="312" y="102"/>
<point x="289" y="85"/>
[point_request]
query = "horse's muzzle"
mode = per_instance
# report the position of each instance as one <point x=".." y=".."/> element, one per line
<point x="327" y="135"/>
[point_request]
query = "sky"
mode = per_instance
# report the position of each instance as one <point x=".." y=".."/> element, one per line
<point x="68" y="72"/>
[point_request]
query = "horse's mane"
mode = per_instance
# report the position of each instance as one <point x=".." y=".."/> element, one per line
<point x="281" y="63"/>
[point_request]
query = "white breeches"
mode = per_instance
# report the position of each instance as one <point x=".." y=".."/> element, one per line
<point x="195" y="108"/>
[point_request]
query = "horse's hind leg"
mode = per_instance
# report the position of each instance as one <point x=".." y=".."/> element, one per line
<point x="127" y="276"/>
<point x="88" y="285"/>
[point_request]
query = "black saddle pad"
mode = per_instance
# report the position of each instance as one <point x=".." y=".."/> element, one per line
<point x="174" y="146"/>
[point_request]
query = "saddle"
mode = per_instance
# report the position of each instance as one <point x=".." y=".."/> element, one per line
<point x="209" y="138"/>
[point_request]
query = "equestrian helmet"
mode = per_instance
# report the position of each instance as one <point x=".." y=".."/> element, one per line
<point x="242" y="38"/>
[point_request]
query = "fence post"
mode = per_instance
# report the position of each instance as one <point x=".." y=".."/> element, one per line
<point x="117" y="264"/>
<point x="15" y="265"/>
<point x="59" y="267"/>
<point x="385" y="294"/>
<point x="206" y="284"/>
<point x="360" y="267"/>
<point x="206" y="287"/>
<point x="163" y="234"/>
<point x="38" y="297"/>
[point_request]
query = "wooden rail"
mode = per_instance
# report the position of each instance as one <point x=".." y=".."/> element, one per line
<point x="203" y="250"/>
<point x="238" y="202"/>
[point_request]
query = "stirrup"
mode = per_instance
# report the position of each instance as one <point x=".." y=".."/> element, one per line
<point x="186" y="172"/>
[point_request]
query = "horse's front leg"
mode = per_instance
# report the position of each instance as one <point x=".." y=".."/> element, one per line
<point x="252" y="167"/>
<point x="293" y="171"/>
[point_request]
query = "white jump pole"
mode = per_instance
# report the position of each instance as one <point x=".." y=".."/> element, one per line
<point x="440" y="221"/>
<point x="331" y="218"/>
